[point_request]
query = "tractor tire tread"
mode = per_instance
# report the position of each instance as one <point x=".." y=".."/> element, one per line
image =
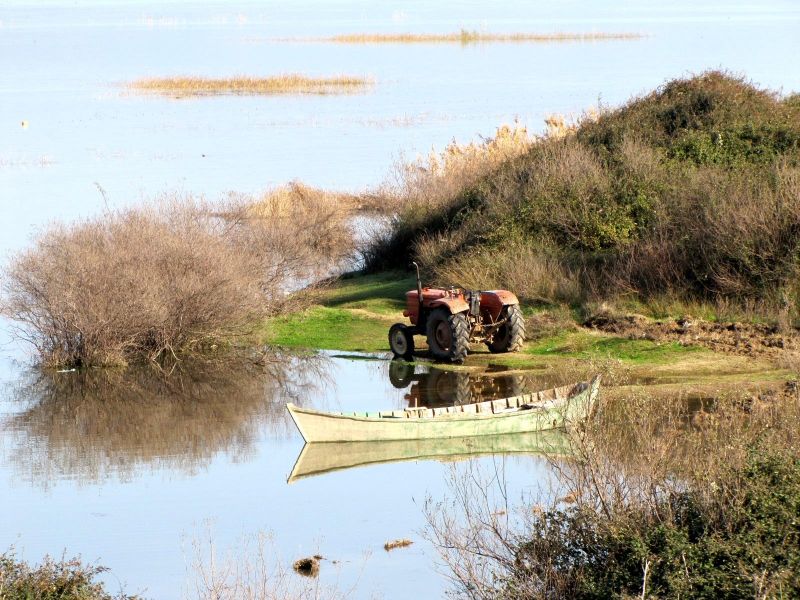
<point x="516" y="334"/>
<point x="459" y="330"/>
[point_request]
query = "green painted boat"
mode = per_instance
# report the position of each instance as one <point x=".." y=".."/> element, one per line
<point x="317" y="458"/>
<point x="539" y="411"/>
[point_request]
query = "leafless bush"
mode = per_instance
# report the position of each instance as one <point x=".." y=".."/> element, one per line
<point x="176" y="276"/>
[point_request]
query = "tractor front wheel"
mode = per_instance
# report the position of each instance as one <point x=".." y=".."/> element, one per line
<point x="448" y="335"/>
<point x="401" y="340"/>
<point x="510" y="335"/>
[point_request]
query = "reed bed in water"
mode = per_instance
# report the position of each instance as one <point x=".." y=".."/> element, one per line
<point x="288" y="83"/>
<point x="474" y="37"/>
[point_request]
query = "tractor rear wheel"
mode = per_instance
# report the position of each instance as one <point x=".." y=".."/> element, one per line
<point x="401" y="340"/>
<point x="448" y="335"/>
<point x="510" y="335"/>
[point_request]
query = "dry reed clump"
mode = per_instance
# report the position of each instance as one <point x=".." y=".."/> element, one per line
<point x="178" y="276"/>
<point x="399" y="543"/>
<point x="534" y="276"/>
<point x="476" y="37"/>
<point x="289" y="83"/>
<point x="425" y="192"/>
<point x="665" y="497"/>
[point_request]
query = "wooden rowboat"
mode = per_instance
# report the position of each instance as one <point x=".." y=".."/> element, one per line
<point x="540" y="411"/>
<point x="325" y="457"/>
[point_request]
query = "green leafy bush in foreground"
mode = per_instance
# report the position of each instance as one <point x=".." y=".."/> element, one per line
<point x="739" y="538"/>
<point x="52" y="580"/>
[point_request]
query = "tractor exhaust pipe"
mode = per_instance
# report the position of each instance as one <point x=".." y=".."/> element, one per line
<point x="419" y="289"/>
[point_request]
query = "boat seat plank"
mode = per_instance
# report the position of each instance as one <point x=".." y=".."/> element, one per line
<point x="498" y="405"/>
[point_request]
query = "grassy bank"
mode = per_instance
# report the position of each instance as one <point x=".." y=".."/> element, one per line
<point x="290" y="83"/>
<point x="355" y="313"/>
<point x="660" y="501"/>
<point x="686" y="197"/>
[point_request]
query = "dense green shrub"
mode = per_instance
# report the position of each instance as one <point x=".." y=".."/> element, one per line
<point x="52" y="580"/>
<point x="737" y="538"/>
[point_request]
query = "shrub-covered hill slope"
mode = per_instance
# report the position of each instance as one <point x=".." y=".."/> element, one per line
<point x="691" y="191"/>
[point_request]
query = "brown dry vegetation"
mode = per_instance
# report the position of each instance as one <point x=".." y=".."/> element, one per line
<point x="421" y="191"/>
<point x="289" y="83"/>
<point x="175" y="277"/>
<point x="475" y="37"/>
<point x="691" y="192"/>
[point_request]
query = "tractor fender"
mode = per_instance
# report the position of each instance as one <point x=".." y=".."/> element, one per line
<point x="454" y="305"/>
<point x="493" y="301"/>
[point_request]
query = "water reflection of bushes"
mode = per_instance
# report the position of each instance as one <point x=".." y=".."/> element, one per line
<point x="96" y="424"/>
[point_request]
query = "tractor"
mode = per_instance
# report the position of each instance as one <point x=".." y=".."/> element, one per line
<point x="453" y="318"/>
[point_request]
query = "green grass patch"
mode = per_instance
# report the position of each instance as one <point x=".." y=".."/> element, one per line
<point x="328" y="328"/>
<point x="381" y="292"/>
<point x="585" y="345"/>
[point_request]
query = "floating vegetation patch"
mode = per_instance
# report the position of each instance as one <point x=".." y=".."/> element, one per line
<point x="285" y="84"/>
<point x="466" y="36"/>
<point x="403" y="543"/>
<point x="308" y="567"/>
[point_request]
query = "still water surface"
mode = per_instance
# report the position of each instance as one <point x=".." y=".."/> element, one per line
<point x="133" y="469"/>
<point x="129" y="471"/>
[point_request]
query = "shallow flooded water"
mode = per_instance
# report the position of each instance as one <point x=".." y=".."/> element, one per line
<point x="130" y="469"/>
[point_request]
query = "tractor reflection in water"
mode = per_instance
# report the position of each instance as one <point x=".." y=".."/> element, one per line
<point x="437" y="387"/>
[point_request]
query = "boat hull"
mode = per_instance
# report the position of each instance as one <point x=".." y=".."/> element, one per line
<point x="317" y="426"/>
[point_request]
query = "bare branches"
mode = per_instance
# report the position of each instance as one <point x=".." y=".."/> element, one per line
<point x="174" y="277"/>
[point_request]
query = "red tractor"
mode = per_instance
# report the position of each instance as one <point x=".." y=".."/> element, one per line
<point x="453" y="318"/>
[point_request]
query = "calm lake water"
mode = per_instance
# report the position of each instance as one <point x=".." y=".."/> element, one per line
<point x="129" y="471"/>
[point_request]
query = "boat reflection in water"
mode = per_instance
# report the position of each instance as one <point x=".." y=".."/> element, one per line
<point x="317" y="458"/>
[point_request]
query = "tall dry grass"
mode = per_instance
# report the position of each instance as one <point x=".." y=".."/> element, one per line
<point x="424" y="192"/>
<point x="174" y="277"/>
<point x="289" y="83"/>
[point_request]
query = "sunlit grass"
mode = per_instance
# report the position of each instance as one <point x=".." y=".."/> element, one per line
<point x="475" y="37"/>
<point x="289" y="83"/>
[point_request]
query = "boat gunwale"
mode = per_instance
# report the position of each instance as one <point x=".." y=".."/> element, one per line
<point x="555" y="403"/>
